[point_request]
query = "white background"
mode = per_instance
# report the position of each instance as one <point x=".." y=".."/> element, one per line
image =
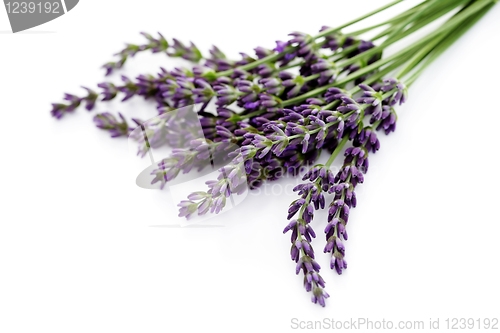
<point x="80" y="246"/>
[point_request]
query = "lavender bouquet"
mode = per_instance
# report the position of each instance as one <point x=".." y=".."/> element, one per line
<point x="281" y="108"/>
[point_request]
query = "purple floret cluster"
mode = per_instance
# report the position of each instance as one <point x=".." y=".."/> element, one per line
<point x="272" y="114"/>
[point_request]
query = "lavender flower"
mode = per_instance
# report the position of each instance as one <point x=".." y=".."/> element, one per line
<point x="90" y="99"/>
<point x="190" y="52"/>
<point x="311" y="198"/>
<point x="204" y="93"/>
<point x="231" y="179"/>
<point x="279" y="121"/>
<point x="197" y="155"/>
<point x="154" y="44"/>
<point x="59" y="109"/>
<point x="401" y="93"/>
